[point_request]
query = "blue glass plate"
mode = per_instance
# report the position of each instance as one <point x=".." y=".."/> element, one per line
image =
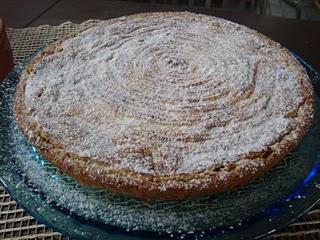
<point x="55" y="199"/>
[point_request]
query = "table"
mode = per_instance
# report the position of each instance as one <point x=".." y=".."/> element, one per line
<point x="301" y="37"/>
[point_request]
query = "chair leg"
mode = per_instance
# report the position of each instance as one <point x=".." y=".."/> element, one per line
<point x="298" y="10"/>
<point x="263" y="7"/>
<point x="207" y="3"/>
<point x="253" y="5"/>
<point x="297" y="5"/>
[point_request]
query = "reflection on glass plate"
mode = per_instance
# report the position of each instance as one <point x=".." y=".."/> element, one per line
<point x="56" y="199"/>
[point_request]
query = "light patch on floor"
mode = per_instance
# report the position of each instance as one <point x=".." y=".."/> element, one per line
<point x="280" y="8"/>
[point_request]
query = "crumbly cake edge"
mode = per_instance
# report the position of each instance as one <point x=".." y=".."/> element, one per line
<point x="174" y="187"/>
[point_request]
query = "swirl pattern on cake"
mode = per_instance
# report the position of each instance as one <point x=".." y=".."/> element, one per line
<point x="165" y="105"/>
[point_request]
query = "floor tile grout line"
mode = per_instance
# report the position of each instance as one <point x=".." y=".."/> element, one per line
<point x="42" y="13"/>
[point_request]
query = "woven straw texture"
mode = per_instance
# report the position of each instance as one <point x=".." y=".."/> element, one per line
<point x="16" y="224"/>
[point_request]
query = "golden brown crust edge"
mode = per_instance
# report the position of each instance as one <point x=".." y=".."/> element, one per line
<point x="148" y="187"/>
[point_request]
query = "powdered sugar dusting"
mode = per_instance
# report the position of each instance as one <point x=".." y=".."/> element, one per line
<point x="164" y="94"/>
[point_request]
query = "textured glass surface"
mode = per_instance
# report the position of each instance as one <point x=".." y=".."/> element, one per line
<point x="269" y="203"/>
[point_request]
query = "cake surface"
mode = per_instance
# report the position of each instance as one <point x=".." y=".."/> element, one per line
<point x="165" y="105"/>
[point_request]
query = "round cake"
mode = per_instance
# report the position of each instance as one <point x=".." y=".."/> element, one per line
<point x="165" y="105"/>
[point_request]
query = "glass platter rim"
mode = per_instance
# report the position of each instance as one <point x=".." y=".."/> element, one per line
<point x="123" y="233"/>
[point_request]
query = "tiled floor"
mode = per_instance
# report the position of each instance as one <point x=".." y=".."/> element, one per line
<point x="281" y="9"/>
